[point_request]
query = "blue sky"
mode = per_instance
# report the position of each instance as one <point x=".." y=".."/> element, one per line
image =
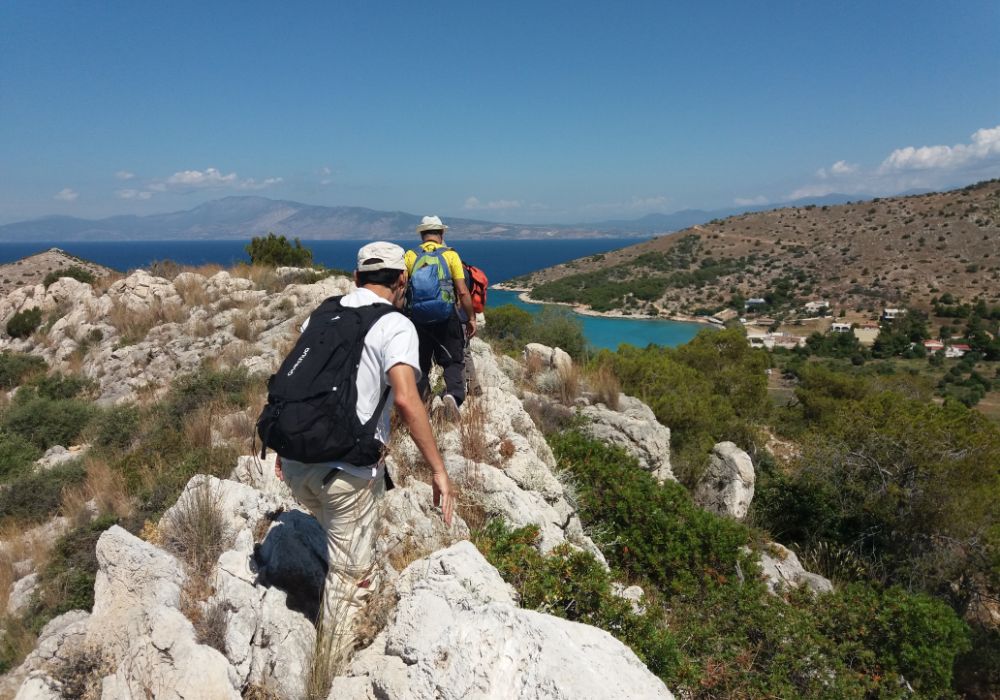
<point x="516" y="111"/>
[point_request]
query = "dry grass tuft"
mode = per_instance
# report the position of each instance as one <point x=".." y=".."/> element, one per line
<point x="16" y="545"/>
<point x="373" y="618"/>
<point x="262" y="276"/>
<point x="472" y="428"/>
<point x="196" y="530"/>
<point x="197" y="426"/>
<point x="134" y="324"/>
<point x="210" y="626"/>
<point x="507" y="449"/>
<point x="79" y="672"/>
<point x="607" y="389"/>
<point x="194" y="292"/>
<point x="260" y="690"/>
<point x="233" y="354"/>
<point x="243" y="328"/>
<point x="405" y="552"/>
<point x="568" y="386"/>
<point x="102" y="284"/>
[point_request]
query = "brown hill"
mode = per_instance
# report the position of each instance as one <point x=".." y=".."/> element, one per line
<point x="895" y="251"/>
<point x="34" y="268"/>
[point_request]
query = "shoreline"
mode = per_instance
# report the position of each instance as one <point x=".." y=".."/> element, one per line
<point x="523" y="293"/>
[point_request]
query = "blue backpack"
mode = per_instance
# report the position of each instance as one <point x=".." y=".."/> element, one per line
<point x="431" y="294"/>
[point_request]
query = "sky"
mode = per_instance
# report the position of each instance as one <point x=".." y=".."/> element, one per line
<point x="529" y="111"/>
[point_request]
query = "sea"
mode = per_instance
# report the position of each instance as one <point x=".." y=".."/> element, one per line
<point x="501" y="260"/>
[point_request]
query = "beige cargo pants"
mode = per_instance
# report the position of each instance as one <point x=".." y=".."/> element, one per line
<point x="347" y="508"/>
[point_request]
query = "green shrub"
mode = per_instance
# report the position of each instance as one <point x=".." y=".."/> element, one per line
<point x="24" y="323"/>
<point x="199" y="389"/>
<point x="35" y="497"/>
<point x="893" y="630"/>
<point x="46" y="422"/>
<point x="116" y="428"/>
<point x="278" y="251"/>
<point x="16" y="367"/>
<point x="16" y="455"/>
<point x="511" y="328"/>
<point x="654" y="532"/>
<point x="56" y="386"/>
<point x="75" y="271"/>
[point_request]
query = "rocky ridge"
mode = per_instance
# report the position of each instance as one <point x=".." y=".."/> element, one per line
<point x="455" y="629"/>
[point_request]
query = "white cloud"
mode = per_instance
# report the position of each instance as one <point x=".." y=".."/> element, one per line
<point x="475" y="203"/>
<point x="325" y="170"/>
<point x="210" y="178"/>
<point x="66" y="195"/>
<point x="912" y="167"/>
<point x="124" y="175"/>
<point x="134" y="194"/>
<point x="751" y="201"/>
<point x="984" y="148"/>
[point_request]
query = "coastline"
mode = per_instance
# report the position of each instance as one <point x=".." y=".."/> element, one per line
<point x="524" y="295"/>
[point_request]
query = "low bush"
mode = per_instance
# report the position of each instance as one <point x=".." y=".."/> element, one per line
<point x="46" y="422"/>
<point x="32" y="498"/>
<point x="16" y="367"/>
<point x="57" y="386"/>
<point x="654" y="532"/>
<point x="74" y="271"/>
<point x="16" y="455"/>
<point x="24" y="323"/>
<point x="511" y="328"/>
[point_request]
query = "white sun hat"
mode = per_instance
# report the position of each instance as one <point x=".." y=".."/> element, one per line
<point x="431" y="223"/>
<point x="380" y="255"/>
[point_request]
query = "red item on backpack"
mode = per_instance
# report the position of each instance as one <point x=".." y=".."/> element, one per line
<point x="478" y="283"/>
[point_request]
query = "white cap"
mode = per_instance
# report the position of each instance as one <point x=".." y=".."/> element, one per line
<point x="380" y="255"/>
<point x="431" y="223"/>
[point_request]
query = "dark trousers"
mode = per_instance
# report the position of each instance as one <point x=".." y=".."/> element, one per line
<point x="445" y="344"/>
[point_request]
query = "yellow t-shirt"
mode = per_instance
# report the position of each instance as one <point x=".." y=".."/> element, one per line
<point x="450" y="257"/>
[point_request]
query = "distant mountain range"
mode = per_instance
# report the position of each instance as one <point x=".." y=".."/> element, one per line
<point x="245" y="217"/>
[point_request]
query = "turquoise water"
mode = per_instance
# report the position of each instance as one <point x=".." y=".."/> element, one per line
<point x="500" y="259"/>
<point x="611" y="332"/>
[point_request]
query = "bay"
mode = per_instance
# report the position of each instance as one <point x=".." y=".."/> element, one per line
<point x="501" y="260"/>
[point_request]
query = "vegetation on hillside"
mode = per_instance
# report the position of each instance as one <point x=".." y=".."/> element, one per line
<point x="860" y="256"/>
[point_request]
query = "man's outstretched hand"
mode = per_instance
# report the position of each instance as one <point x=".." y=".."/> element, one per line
<point x="444" y="496"/>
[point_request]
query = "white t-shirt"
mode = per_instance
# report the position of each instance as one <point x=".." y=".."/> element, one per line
<point x="391" y="341"/>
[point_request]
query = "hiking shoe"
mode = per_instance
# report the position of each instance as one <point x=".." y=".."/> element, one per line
<point x="450" y="408"/>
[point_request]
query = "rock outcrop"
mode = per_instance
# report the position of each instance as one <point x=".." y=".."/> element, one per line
<point x="457" y="633"/>
<point x="727" y="486"/>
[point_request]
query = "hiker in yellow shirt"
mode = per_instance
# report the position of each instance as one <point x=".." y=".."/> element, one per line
<point x="439" y="306"/>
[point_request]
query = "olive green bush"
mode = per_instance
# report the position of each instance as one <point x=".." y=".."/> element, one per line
<point x="16" y="367"/>
<point x="511" y="328"/>
<point x="24" y="323"/>
<point x="74" y="271"/>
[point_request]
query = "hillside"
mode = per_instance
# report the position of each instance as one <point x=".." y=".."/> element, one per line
<point x="33" y="269"/>
<point x="859" y="256"/>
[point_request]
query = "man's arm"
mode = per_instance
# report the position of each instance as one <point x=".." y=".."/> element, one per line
<point x="411" y="409"/>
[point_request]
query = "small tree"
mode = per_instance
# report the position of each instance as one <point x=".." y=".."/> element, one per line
<point x="278" y="251"/>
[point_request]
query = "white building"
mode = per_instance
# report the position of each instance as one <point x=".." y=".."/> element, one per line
<point x="837" y="327"/>
<point x="813" y="307"/>
<point x="890" y="314"/>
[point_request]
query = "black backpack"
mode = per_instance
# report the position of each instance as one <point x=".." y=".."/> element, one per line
<point x="311" y="414"/>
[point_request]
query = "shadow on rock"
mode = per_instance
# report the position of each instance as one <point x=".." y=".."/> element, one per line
<point x="293" y="557"/>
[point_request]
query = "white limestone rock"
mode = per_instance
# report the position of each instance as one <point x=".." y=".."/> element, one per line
<point x="20" y="593"/>
<point x="727" y="486"/>
<point x="141" y="290"/>
<point x="782" y="570"/>
<point x="633" y="427"/>
<point x="457" y="633"/>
